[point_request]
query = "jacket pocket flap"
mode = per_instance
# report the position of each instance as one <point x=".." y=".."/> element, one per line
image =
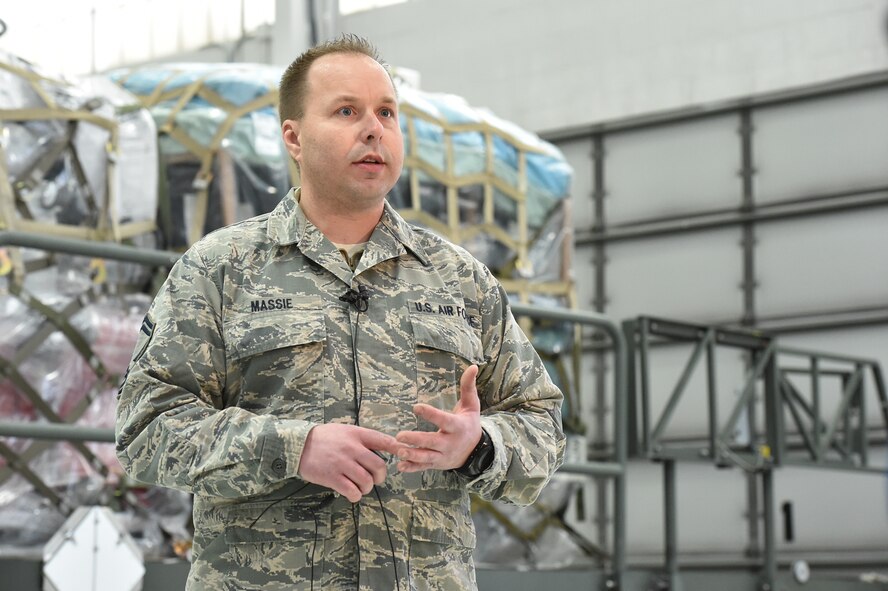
<point x="250" y="336"/>
<point x="259" y="523"/>
<point x="443" y="523"/>
<point x="446" y="334"/>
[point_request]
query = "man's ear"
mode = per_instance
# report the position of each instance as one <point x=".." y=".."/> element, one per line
<point x="290" y="132"/>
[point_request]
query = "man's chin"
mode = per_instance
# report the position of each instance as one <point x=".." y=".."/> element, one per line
<point x="371" y="192"/>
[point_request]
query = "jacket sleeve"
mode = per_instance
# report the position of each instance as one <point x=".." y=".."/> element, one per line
<point x="520" y="406"/>
<point x="172" y="428"/>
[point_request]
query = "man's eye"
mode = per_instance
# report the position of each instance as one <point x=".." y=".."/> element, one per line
<point x="387" y="113"/>
<point x="347" y="111"/>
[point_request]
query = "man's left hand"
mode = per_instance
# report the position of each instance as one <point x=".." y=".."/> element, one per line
<point x="458" y="432"/>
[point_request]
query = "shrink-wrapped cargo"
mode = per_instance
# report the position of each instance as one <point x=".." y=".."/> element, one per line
<point x="77" y="160"/>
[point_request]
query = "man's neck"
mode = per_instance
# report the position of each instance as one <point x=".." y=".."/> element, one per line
<point x="342" y="227"/>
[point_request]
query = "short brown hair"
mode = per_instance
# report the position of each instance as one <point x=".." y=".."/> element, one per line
<point x="294" y="82"/>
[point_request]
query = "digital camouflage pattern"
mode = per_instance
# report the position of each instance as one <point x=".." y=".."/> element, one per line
<point x="247" y="346"/>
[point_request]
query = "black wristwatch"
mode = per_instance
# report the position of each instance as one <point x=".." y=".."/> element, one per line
<point x="480" y="459"/>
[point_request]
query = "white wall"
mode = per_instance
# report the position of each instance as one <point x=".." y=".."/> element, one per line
<point x="562" y="63"/>
<point x="99" y="35"/>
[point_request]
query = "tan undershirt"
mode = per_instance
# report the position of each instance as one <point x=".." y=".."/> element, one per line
<point x="351" y="253"/>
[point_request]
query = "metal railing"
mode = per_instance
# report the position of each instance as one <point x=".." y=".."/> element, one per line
<point x="615" y="469"/>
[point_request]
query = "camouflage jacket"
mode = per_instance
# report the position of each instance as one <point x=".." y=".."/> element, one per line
<point x="248" y="345"/>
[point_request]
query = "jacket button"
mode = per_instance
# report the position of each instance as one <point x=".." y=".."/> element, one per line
<point x="279" y="466"/>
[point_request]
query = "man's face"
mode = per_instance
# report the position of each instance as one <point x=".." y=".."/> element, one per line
<point x="348" y="143"/>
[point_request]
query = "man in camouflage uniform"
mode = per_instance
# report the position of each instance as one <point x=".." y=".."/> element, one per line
<point x="330" y="382"/>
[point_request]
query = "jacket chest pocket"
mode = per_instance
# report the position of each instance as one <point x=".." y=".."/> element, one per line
<point x="445" y="347"/>
<point x="276" y="363"/>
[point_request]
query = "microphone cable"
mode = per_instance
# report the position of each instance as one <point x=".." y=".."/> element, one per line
<point x="252" y="523"/>
<point x="314" y="516"/>
<point x="360" y="301"/>
<point x="391" y="542"/>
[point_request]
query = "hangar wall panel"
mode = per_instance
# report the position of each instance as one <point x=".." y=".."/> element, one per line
<point x="693" y="277"/>
<point x="710" y="507"/>
<point x="826" y="262"/>
<point x="834" y="510"/>
<point x="672" y="170"/>
<point x="803" y="148"/>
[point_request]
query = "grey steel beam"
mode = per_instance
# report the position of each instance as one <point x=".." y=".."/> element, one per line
<point x="862" y="442"/>
<point x="744" y="338"/>
<point x="807" y="371"/>
<point x="879" y="381"/>
<point x="609" y="469"/>
<point x="770" y="565"/>
<point x="644" y="361"/>
<point x="630" y="333"/>
<point x="599" y="193"/>
<point x="829" y="320"/>
<point x="670" y="522"/>
<point x="747" y="176"/>
<point x="737" y="217"/>
<point x="55" y="431"/>
<point x="832" y="88"/>
<point x="774" y="411"/>
<point x="753" y="548"/>
<point x="712" y="396"/>
<point x="671" y="329"/>
<point x="104" y="250"/>
<point x="771" y="327"/>
<point x="815" y="403"/>
<point x="825" y="356"/>
<point x="599" y="304"/>
<point x="776" y="205"/>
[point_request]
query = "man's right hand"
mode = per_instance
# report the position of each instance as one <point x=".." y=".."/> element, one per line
<point x="341" y="457"/>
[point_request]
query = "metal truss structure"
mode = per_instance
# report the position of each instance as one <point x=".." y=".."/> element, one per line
<point x="799" y="428"/>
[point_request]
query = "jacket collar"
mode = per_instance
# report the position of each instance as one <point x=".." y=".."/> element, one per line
<point x="392" y="237"/>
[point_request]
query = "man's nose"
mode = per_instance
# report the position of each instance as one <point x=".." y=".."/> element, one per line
<point x="372" y="128"/>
